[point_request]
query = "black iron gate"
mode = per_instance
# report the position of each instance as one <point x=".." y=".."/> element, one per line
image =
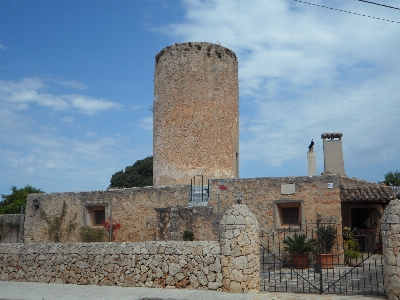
<point x="357" y="264"/>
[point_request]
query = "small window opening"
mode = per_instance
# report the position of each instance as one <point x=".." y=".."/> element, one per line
<point x="290" y="215"/>
<point x="99" y="217"/>
<point x="96" y="215"/>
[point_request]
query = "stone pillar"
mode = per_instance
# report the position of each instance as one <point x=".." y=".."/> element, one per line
<point x="240" y="251"/>
<point x="312" y="163"/>
<point x="390" y="228"/>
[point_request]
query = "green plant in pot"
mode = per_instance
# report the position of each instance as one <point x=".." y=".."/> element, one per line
<point x="326" y="239"/>
<point x="351" y="247"/>
<point x="299" y="246"/>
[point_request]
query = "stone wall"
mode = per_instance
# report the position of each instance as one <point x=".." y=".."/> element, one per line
<point x="195" y="265"/>
<point x="172" y="223"/>
<point x="134" y="208"/>
<point x="231" y="266"/>
<point x="161" y="213"/>
<point x="390" y="228"/>
<point x="262" y="195"/>
<point x="10" y="228"/>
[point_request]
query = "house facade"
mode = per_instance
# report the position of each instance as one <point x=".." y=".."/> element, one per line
<point x="164" y="213"/>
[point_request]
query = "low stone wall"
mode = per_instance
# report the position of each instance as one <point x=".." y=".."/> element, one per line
<point x="230" y="265"/>
<point x="195" y="265"/>
<point x="390" y="228"/>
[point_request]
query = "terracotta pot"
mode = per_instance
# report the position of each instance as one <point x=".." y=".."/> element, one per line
<point x="325" y="260"/>
<point x="300" y="261"/>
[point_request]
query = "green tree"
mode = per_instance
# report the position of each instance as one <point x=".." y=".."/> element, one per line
<point x="139" y="174"/>
<point x="392" y="178"/>
<point x="11" y="204"/>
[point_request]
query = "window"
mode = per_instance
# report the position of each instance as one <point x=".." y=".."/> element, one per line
<point x="288" y="214"/>
<point x="99" y="216"/>
<point x="95" y="215"/>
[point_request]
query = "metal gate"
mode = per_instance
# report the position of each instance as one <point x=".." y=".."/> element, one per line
<point x="199" y="191"/>
<point x="357" y="266"/>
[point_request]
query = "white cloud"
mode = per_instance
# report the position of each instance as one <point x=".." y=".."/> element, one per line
<point x="146" y="123"/>
<point x="49" y="157"/>
<point x="305" y="70"/>
<point x="68" y="119"/>
<point x="91" y="134"/>
<point x="90" y="105"/>
<point x="30" y="91"/>
<point x="2" y="47"/>
<point x="73" y="84"/>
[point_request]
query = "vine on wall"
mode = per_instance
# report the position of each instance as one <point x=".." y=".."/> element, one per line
<point x="54" y="224"/>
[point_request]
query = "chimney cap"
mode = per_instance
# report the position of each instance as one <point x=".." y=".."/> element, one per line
<point x="332" y="135"/>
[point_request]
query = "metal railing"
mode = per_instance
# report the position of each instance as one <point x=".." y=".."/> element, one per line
<point x="199" y="192"/>
<point x="359" y="271"/>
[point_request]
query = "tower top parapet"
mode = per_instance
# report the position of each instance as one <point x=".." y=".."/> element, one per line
<point x="209" y="49"/>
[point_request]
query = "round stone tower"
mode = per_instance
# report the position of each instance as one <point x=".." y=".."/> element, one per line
<point x="195" y="113"/>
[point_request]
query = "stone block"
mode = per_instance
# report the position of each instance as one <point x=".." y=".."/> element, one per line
<point x="288" y="189"/>
<point x="240" y="262"/>
<point x="235" y="287"/>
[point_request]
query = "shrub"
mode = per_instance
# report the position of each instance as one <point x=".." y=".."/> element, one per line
<point x="188" y="235"/>
<point x="115" y="227"/>
<point x="90" y="234"/>
<point x="299" y="244"/>
<point x="349" y="233"/>
<point x="350" y="244"/>
<point x="351" y="254"/>
<point x="326" y="237"/>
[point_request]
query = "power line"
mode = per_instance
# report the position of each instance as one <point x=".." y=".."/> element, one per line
<point x="345" y="11"/>
<point x="392" y="7"/>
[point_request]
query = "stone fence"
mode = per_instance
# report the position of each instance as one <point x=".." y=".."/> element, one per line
<point x="150" y="264"/>
<point x="390" y="228"/>
<point x="231" y="266"/>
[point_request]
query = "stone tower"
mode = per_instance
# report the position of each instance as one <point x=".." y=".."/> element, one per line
<point x="333" y="153"/>
<point x="195" y="113"/>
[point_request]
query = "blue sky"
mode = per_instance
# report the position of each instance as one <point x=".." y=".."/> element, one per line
<point x="76" y="84"/>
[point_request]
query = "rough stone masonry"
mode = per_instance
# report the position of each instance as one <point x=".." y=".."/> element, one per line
<point x="195" y="113"/>
<point x="240" y="251"/>
<point x="231" y="265"/>
<point x="390" y="228"/>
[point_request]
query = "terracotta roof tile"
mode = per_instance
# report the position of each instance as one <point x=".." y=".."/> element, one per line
<point x="367" y="194"/>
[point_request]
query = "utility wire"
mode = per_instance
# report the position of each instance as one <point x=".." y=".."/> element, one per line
<point x="392" y="7"/>
<point x="349" y="12"/>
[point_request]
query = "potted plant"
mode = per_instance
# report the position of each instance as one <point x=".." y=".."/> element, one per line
<point x="351" y="247"/>
<point x="326" y="239"/>
<point x="299" y="246"/>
